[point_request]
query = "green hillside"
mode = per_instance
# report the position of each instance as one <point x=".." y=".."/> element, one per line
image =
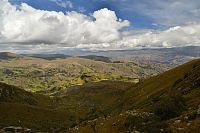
<point x="164" y="103"/>
<point x="36" y="74"/>
<point x="21" y="108"/>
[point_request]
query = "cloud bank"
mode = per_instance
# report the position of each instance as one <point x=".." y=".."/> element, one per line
<point x="172" y="37"/>
<point x="29" y="25"/>
<point x="26" y="28"/>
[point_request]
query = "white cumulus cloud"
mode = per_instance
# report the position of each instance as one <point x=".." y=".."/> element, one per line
<point x="27" y="28"/>
<point x="172" y="37"/>
<point x="33" y="26"/>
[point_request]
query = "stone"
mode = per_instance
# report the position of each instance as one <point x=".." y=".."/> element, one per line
<point x="177" y="121"/>
<point x="180" y="128"/>
<point x="198" y="111"/>
<point x="188" y="124"/>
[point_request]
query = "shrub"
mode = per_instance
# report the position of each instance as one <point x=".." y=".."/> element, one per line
<point x="144" y="123"/>
<point x="169" y="107"/>
<point x="177" y="82"/>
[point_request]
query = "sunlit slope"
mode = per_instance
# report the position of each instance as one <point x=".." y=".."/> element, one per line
<point x="160" y="85"/>
<point x="164" y="103"/>
<point x="37" y="74"/>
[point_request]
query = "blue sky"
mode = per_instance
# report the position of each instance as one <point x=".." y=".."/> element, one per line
<point x="142" y="14"/>
<point x="43" y="25"/>
<point x="121" y="8"/>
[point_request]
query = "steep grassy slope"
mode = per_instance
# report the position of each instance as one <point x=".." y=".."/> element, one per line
<point x="93" y="99"/>
<point x="164" y="103"/>
<point x="160" y="84"/>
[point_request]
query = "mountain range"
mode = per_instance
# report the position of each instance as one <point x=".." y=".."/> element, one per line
<point x="167" y="102"/>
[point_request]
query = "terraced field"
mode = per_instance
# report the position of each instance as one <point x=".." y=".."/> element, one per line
<point x="37" y="74"/>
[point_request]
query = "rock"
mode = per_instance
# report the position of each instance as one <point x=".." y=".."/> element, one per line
<point x="198" y="111"/>
<point x="188" y="124"/>
<point x="186" y="117"/>
<point x="76" y="128"/>
<point x="143" y="123"/>
<point x="177" y="121"/>
<point x="114" y="124"/>
<point x="180" y="128"/>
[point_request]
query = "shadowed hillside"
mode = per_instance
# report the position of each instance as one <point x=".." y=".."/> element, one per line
<point x="97" y="58"/>
<point x="164" y="103"/>
<point x="48" y="56"/>
<point x="21" y="108"/>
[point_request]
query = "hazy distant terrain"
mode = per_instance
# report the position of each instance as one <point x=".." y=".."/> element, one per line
<point x="55" y="72"/>
<point x="173" y="56"/>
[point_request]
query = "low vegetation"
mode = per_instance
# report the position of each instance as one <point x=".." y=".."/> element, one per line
<point x="171" y="106"/>
<point x="161" y="103"/>
<point x="46" y="74"/>
<point x="144" y="122"/>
